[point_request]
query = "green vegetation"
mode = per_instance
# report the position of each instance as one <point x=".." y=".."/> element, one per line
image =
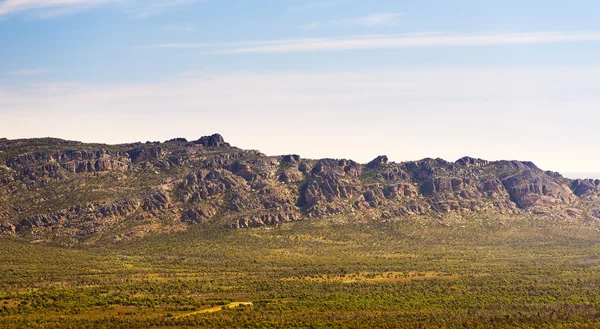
<point x="329" y="273"/>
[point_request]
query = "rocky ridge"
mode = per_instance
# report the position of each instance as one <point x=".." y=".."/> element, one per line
<point x="76" y="190"/>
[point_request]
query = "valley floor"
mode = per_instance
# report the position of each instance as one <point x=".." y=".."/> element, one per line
<point x="330" y="273"/>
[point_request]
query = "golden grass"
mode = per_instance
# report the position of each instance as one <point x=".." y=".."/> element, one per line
<point x="216" y="308"/>
<point x="377" y="277"/>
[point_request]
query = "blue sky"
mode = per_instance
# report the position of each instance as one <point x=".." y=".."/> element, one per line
<point x="338" y="78"/>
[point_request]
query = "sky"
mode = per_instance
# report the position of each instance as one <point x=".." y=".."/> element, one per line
<point x="321" y="78"/>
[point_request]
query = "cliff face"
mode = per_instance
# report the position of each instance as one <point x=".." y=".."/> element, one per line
<point x="76" y="190"/>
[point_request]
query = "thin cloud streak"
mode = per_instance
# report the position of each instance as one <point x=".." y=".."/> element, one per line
<point x="43" y="9"/>
<point x="229" y="44"/>
<point x="408" y="41"/>
<point x="28" y="72"/>
<point x="379" y="19"/>
<point x="315" y="5"/>
<point x="372" y="20"/>
<point x="144" y="9"/>
<point x="8" y="7"/>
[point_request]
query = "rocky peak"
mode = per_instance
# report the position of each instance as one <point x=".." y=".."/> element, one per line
<point x="214" y="140"/>
<point x="177" y="140"/>
<point x="291" y="159"/>
<point x="379" y="161"/>
<point x="471" y="162"/>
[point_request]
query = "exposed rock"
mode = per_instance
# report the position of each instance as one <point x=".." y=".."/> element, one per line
<point x="198" y="214"/>
<point x="573" y="212"/>
<point x="471" y="162"/>
<point x="145" y="154"/>
<point x="379" y="161"/>
<point x="177" y="140"/>
<point x="157" y="201"/>
<point x="291" y="175"/>
<point x="291" y="159"/>
<point x="215" y="140"/>
<point x="326" y="182"/>
<point x="80" y="213"/>
<point x="55" y="165"/>
<point x="531" y="187"/>
<point x="583" y="186"/>
<point x="244" y="170"/>
<point x="206" y="184"/>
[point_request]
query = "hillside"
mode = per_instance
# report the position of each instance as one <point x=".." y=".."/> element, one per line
<point x="72" y="191"/>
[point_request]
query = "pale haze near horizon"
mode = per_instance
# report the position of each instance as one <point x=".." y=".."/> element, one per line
<point x="338" y="79"/>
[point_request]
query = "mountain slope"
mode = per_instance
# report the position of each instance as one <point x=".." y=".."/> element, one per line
<point x="57" y="188"/>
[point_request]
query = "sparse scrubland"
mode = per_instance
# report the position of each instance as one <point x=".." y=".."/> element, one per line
<point x="326" y="273"/>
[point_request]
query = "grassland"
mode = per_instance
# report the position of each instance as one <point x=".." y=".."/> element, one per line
<point x="330" y="273"/>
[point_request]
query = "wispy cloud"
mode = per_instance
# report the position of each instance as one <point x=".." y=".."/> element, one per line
<point x="385" y="42"/>
<point x="379" y="19"/>
<point x="227" y="45"/>
<point x="315" y="5"/>
<point x="28" y="72"/>
<point x="54" y="8"/>
<point x="8" y="7"/>
<point x="371" y="20"/>
<point x="148" y="8"/>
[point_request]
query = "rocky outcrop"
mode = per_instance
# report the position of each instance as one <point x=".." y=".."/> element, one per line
<point x="471" y="162"/>
<point x="57" y="164"/>
<point x="210" y="183"/>
<point x="93" y="214"/>
<point x="214" y="140"/>
<point x="379" y="161"/>
<point x="583" y="187"/>
<point x="291" y="159"/>
<point x="178" y="140"/>
<point x="531" y="187"/>
<point x="157" y="201"/>
<point x="207" y="180"/>
<point x="291" y="175"/>
<point x="330" y="180"/>
<point x="144" y="154"/>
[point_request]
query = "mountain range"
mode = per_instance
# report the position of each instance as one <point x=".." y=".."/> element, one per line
<point x="59" y="189"/>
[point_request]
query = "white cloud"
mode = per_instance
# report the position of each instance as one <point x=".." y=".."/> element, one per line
<point x="372" y="20"/>
<point x="386" y="42"/>
<point x="228" y="45"/>
<point x="148" y="8"/>
<point x="545" y="115"/>
<point x="53" y="8"/>
<point x="15" y="6"/>
<point x="316" y="5"/>
<point x="28" y="72"/>
<point x="380" y="19"/>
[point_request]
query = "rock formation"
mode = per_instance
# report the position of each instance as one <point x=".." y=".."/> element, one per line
<point x="78" y="190"/>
